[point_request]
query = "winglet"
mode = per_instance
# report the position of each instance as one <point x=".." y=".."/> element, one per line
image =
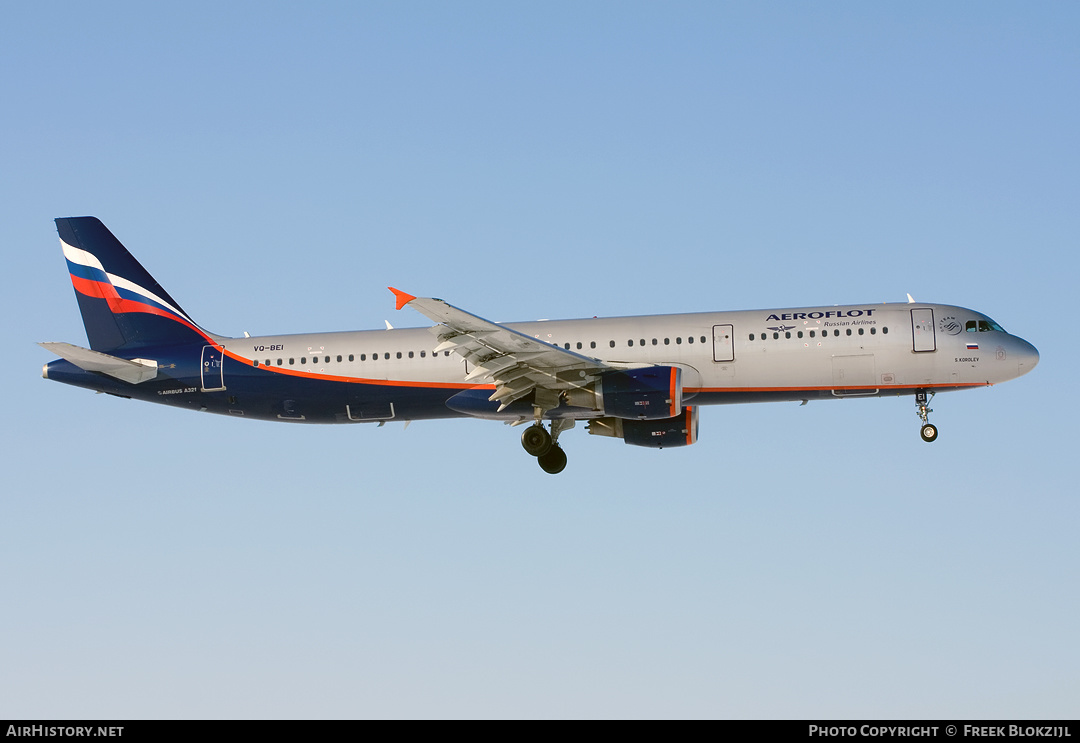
<point x="402" y="298"/>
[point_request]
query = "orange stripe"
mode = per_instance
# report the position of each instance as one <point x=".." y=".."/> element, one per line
<point x="130" y="305"/>
<point x="361" y="380"/>
<point x="96" y="289"/>
<point x="696" y="390"/>
<point x="673" y="408"/>
<point x="119" y="305"/>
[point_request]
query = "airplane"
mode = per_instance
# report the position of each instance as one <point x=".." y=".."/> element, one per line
<point x="640" y="379"/>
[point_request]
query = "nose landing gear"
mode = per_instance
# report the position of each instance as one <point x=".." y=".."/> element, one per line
<point x="544" y="446"/>
<point x="928" y="431"/>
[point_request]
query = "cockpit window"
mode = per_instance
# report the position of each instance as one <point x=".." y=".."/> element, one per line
<point x="982" y="326"/>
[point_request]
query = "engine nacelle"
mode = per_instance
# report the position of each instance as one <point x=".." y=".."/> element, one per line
<point x="649" y="393"/>
<point x="682" y="430"/>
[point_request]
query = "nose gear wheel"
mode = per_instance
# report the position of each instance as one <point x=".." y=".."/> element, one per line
<point x="928" y="431"/>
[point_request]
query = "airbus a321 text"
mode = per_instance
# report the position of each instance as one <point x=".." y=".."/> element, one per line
<point x="639" y="379"/>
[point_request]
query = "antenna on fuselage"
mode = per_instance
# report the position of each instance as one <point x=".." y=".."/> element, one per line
<point x="910" y="299"/>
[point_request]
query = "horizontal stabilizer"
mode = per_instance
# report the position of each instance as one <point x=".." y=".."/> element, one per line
<point x="132" y="372"/>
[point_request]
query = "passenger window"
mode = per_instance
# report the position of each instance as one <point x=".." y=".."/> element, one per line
<point x="884" y="331"/>
<point x="751" y="336"/>
<point x="387" y="356"/>
<point x="291" y="361"/>
<point x="279" y="362"/>
<point x="690" y="339"/>
<point x="303" y="359"/>
<point x="702" y="339"/>
<point x="862" y="330"/>
<point x="410" y="354"/>
<point x="678" y="340"/>
<point x="256" y="362"/>
<point x="579" y="345"/>
<point x="592" y="344"/>
<point x="811" y="333"/>
<point x="423" y="354"/>
<point x="849" y="331"/>
<point x="873" y="331"/>
<point x="654" y="341"/>
<point x="351" y="358"/>
<point x="800" y="334"/>
<point x="787" y="334"/>
<point x="611" y="343"/>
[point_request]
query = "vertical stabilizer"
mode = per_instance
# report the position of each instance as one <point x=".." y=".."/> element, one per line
<point x="122" y="306"/>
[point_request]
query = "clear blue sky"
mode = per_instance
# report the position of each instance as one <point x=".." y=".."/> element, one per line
<point x="276" y="166"/>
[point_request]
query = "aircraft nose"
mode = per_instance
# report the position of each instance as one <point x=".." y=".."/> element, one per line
<point x="1029" y="356"/>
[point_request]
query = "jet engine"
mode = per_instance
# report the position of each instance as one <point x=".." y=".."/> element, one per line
<point x="648" y="393"/>
<point x="682" y="430"/>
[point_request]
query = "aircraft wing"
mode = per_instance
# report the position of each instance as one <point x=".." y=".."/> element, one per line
<point x="517" y="363"/>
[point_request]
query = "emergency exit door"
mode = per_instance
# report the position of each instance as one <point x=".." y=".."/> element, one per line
<point x="723" y="342"/>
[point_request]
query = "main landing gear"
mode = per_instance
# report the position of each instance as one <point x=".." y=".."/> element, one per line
<point x="929" y="431"/>
<point x="544" y="446"/>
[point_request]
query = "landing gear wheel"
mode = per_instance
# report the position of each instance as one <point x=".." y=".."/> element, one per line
<point x="928" y="432"/>
<point x="554" y="461"/>
<point x="536" y="441"/>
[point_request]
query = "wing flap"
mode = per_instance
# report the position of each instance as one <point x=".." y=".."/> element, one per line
<point x="517" y="363"/>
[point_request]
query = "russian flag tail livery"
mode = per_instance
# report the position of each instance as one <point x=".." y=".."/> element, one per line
<point x="122" y="306"/>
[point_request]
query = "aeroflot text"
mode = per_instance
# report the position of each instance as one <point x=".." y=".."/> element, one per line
<point x="980" y="731"/>
<point x="819" y="315"/>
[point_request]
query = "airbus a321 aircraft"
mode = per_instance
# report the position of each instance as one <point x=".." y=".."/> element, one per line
<point x="639" y="379"/>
